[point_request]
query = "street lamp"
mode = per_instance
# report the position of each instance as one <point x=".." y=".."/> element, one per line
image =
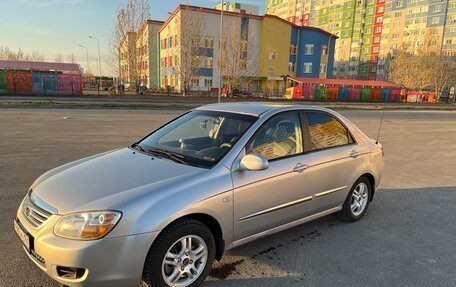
<point x="100" y="85"/>
<point x="329" y="50"/>
<point x="87" y="54"/>
<point x="221" y="53"/>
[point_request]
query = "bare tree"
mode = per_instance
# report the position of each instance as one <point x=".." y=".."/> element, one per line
<point x="409" y="68"/>
<point x="423" y="66"/>
<point x="58" y="58"/>
<point x="187" y="34"/>
<point x="239" y="55"/>
<point x="129" y="18"/>
<point x="71" y="59"/>
<point x="7" y="54"/>
<point x="442" y="72"/>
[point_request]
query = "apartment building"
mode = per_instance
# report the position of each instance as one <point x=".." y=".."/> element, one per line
<point x="371" y="31"/>
<point x="239" y="8"/>
<point x="127" y="60"/>
<point x="271" y="49"/>
<point x="147" y="54"/>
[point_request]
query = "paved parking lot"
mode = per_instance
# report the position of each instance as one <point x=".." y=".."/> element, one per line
<point x="408" y="237"/>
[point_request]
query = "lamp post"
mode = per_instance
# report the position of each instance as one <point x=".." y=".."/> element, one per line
<point x="221" y="54"/>
<point x="87" y="54"/>
<point x="100" y="84"/>
<point x="329" y="50"/>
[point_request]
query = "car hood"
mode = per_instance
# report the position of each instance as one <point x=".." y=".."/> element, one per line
<point x="104" y="181"/>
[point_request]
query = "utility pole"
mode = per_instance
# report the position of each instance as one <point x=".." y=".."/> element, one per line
<point x="87" y="54"/>
<point x="100" y="83"/>
<point x="221" y="55"/>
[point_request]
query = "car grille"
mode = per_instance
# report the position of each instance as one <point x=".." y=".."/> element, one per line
<point x="34" y="214"/>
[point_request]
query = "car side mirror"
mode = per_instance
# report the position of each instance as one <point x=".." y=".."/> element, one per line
<point x="253" y="161"/>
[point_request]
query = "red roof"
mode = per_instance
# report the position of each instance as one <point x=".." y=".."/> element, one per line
<point x="28" y="65"/>
<point x="341" y="82"/>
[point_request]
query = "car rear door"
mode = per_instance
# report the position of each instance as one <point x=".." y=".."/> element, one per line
<point x="334" y="156"/>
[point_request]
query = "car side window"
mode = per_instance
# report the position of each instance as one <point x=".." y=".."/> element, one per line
<point x="326" y="131"/>
<point x="281" y="136"/>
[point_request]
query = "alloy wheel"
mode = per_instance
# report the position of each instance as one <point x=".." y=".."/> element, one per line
<point x="359" y="199"/>
<point x="184" y="261"/>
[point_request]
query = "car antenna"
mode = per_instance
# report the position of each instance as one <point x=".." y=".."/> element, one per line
<point x="380" y="126"/>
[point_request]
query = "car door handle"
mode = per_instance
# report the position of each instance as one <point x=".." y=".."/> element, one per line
<point x="354" y="154"/>
<point x="300" y="167"/>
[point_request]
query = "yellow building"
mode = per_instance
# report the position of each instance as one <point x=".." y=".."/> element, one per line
<point x="147" y="54"/>
<point x="127" y="62"/>
<point x="274" y="56"/>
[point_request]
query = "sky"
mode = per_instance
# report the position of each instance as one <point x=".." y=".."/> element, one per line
<point x="54" y="27"/>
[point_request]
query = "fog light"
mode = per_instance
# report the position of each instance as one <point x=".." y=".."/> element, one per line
<point x="70" y="272"/>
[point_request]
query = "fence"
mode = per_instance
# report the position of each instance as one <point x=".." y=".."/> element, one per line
<point x="40" y="82"/>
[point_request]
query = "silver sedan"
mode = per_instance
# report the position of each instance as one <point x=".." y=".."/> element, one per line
<point x="157" y="213"/>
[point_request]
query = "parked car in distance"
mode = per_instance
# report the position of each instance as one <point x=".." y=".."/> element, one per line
<point x="157" y="213"/>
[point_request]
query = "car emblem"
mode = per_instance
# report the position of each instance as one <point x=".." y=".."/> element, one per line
<point x="27" y="211"/>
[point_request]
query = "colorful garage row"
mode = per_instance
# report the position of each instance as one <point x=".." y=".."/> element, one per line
<point x="342" y="90"/>
<point x="32" y="78"/>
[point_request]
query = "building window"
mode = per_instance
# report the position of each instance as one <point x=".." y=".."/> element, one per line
<point x="271" y="72"/>
<point x="272" y="55"/>
<point x="379" y="20"/>
<point x="209" y="62"/>
<point x="324" y="49"/>
<point x="195" y="61"/>
<point x="195" y="82"/>
<point x="368" y="31"/>
<point x="209" y="42"/>
<point x="291" y="67"/>
<point x="435" y="20"/>
<point x="380" y="9"/>
<point x="375" y="49"/>
<point x="308" y="49"/>
<point x="378" y="29"/>
<point x="208" y="82"/>
<point x="307" y="68"/>
<point x="398" y="4"/>
<point x="322" y="68"/>
<point x="377" y="39"/>
<point x="370" y="11"/>
<point x="293" y="49"/>
<point x="437" y="8"/>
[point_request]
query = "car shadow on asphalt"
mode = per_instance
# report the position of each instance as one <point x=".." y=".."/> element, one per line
<point x="406" y="234"/>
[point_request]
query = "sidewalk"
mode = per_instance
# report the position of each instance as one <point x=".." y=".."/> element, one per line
<point x="180" y="102"/>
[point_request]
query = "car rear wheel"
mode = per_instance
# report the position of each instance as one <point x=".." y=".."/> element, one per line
<point x="181" y="256"/>
<point x="357" y="201"/>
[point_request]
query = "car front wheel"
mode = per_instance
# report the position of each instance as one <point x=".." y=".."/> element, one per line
<point x="181" y="256"/>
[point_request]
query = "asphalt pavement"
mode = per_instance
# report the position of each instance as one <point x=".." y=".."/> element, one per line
<point x="407" y="238"/>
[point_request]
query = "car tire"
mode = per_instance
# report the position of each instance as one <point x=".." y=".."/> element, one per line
<point x="357" y="201"/>
<point x="174" y="240"/>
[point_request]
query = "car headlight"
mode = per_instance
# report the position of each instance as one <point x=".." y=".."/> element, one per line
<point x="87" y="225"/>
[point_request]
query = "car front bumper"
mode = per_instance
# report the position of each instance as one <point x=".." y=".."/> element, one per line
<point x="110" y="262"/>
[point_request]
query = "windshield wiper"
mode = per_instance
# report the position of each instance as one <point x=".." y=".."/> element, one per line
<point x="174" y="156"/>
<point x="137" y="146"/>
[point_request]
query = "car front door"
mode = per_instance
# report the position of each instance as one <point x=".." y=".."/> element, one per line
<point x="277" y="195"/>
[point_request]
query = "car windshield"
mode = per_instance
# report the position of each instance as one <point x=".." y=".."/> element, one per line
<point x="198" y="138"/>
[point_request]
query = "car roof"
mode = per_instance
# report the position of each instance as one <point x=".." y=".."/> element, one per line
<point x="255" y="109"/>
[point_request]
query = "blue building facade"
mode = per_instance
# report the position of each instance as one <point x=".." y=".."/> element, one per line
<point x="315" y="52"/>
